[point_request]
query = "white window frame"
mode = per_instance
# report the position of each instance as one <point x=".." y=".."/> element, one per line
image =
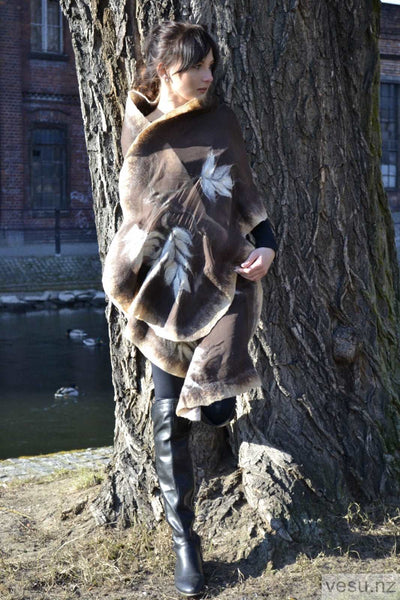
<point x="43" y="26"/>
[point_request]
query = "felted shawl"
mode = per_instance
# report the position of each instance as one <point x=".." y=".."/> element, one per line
<point x="188" y="201"/>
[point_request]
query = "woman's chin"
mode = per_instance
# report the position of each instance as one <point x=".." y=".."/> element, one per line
<point x="200" y="95"/>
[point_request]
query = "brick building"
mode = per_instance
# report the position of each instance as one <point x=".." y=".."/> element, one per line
<point x="390" y="101"/>
<point x="44" y="168"/>
<point x="44" y="171"/>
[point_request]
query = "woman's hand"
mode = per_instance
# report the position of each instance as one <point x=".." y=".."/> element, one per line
<point x="257" y="264"/>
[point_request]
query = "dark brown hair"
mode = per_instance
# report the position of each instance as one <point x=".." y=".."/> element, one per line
<point x="173" y="42"/>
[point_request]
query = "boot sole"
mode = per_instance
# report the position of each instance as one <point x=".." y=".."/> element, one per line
<point x="186" y="595"/>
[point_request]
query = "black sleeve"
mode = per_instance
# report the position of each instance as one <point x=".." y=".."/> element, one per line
<point x="264" y="236"/>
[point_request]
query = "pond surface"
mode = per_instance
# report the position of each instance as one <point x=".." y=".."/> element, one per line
<point x="37" y="358"/>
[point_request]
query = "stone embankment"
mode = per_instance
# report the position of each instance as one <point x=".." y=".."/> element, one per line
<point x="51" y="300"/>
<point x="47" y="464"/>
<point x="34" y="268"/>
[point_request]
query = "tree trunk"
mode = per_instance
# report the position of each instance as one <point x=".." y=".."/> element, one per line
<point x="303" y="78"/>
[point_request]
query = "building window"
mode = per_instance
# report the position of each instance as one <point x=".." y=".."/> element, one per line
<point x="389" y="117"/>
<point x="48" y="168"/>
<point x="46" y="26"/>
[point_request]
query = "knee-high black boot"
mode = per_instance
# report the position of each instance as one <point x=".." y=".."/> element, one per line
<point x="175" y="473"/>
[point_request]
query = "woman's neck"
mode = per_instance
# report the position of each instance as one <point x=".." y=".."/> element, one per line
<point x="169" y="100"/>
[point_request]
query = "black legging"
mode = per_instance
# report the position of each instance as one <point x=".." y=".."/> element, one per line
<point x="169" y="386"/>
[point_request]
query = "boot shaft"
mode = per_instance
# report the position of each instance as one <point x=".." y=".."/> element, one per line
<point x="174" y="466"/>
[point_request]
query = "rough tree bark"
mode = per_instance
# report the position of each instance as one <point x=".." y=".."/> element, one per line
<point x="323" y="431"/>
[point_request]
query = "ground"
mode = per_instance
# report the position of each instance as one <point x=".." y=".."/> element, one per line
<point x="51" y="549"/>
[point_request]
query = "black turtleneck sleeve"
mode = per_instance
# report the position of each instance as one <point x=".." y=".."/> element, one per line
<point x="264" y="236"/>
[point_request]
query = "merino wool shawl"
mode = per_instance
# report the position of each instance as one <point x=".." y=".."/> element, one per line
<point x="188" y="201"/>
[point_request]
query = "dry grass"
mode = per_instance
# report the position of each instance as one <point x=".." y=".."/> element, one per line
<point x="50" y="549"/>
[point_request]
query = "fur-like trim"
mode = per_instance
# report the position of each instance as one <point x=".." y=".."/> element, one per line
<point x="194" y="106"/>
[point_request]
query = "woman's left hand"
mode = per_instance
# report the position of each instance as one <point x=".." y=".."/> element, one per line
<point x="257" y="264"/>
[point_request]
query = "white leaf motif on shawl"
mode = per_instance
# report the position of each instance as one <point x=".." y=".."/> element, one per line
<point x="215" y="180"/>
<point x="140" y="243"/>
<point x="134" y="241"/>
<point x="177" y="267"/>
<point x="184" y="350"/>
<point x="152" y="246"/>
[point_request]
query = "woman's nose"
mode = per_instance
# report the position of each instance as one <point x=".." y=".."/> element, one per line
<point x="208" y="76"/>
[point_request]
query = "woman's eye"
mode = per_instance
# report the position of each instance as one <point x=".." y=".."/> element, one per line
<point x="200" y="65"/>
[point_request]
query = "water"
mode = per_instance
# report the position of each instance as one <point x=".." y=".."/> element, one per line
<point x="37" y="358"/>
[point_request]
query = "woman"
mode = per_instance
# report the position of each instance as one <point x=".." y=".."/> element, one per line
<point x="182" y="267"/>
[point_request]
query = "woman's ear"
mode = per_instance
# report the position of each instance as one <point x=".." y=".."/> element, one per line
<point x="162" y="71"/>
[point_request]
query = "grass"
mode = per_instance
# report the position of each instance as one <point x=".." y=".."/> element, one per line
<point x="86" y="478"/>
<point x="50" y="549"/>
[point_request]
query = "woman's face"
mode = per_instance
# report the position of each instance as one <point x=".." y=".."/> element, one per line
<point x="194" y="82"/>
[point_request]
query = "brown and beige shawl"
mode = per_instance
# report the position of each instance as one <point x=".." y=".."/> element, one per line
<point x="188" y="202"/>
